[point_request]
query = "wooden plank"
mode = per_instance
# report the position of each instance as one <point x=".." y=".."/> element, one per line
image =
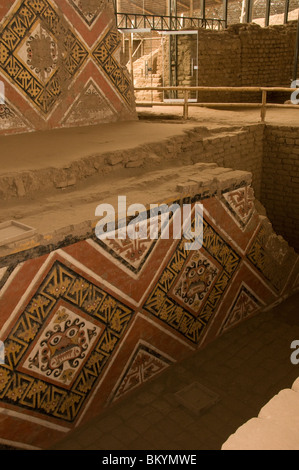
<point x="217" y="89"/>
<point x="203" y="88"/>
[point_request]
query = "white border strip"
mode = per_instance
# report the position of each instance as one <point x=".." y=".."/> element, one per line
<point x="116" y="355"/>
<point x="20" y="445"/>
<point x="107" y="255"/>
<point x="10" y="279"/>
<point x="98" y="278"/>
<point x="148" y="345"/>
<point x="25" y="417"/>
<point x="25" y="295"/>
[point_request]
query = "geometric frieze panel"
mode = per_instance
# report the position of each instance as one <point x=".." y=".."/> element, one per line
<point x="104" y="56"/>
<point x="269" y="262"/>
<point x="12" y="119"/>
<point x="60" y="345"/>
<point x="133" y="253"/>
<point x="192" y="285"/>
<point x="240" y="203"/>
<point x="79" y="342"/>
<point x="92" y="104"/>
<point x="245" y="305"/>
<point x="146" y="363"/>
<point x="195" y="282"/>
<point x="39" y="53"/>
<point x="45" y="52"/>
<point x="89" y="10"/>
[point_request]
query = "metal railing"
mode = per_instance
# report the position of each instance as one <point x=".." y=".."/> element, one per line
<point x="126" y="21"/>
<point x="187" y="90"/>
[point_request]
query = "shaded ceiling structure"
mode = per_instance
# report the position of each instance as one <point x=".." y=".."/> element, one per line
<point x="168" y="15"/>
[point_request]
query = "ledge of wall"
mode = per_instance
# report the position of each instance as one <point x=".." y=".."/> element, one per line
<point x="275" y="428"/>
<point x="34" y="197"/>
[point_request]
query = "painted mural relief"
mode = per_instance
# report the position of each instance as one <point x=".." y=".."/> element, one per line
<point x="60" y="65"/>
<point x="85" y="325"/>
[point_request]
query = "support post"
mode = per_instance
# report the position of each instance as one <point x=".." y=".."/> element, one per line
<point x="186" y="107"/>
<point x="249" y="5"/>
<point x="264" y="106"/>
<point x="225" y="11"/>
<point x="296" y="53"/>
<point x="203" y="9"/>
<point x="268" y="10"/>
<point x="286" y="11"/>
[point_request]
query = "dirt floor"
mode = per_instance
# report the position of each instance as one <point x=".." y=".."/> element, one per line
<point x="60" y="147"/>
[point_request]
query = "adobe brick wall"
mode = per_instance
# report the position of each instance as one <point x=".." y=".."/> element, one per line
<point x="280" y="182"/>
<point x="247" y="55"/>
<point x="243" y="55"/>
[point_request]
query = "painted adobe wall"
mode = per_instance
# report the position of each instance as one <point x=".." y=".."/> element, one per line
<point x="60" y="64"/>
<point x="85" y="324"/>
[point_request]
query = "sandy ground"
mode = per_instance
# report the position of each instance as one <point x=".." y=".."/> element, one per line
<point x="58" y="148"/>
<point x="211" y="117"/>
<point x="50" y="212"/>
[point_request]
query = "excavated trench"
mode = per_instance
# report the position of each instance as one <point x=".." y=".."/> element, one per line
<point x="139" y="303"/>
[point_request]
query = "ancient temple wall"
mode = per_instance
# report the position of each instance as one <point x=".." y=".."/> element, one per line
<point x="60" y="65"/>
<point x="280" y="182"/>
<point x="87" y="322"/>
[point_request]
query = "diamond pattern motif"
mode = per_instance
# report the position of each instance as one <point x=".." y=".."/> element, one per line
<point x="16" y="57"/>
<point x="47" y="57"/>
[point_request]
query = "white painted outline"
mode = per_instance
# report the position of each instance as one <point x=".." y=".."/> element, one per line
<point x="243" y="284"/>
<point x="20" y="445"/>
<point x="10" y="279"/>
<point x="32" y="419"/>
<point x="24" y="299"/>
<point x="114" y="358"/>
<point x="97" y="278"/>
<point x="148" y="345"/>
